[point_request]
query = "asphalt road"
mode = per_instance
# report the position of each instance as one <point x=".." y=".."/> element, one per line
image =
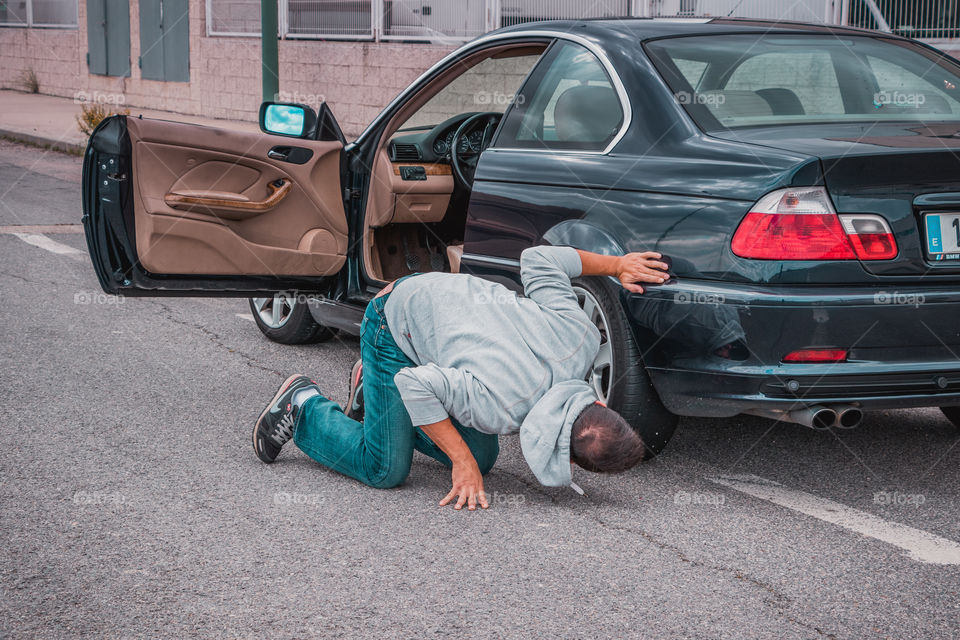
<point x="132" y="505"/>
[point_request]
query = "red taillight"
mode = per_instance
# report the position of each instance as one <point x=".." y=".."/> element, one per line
<point x="816" y="355"/>
<point x="801" y="224"/>
<point x="792" y="236"/>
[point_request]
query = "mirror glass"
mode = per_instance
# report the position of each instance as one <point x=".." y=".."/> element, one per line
<point x="285" y="119"/>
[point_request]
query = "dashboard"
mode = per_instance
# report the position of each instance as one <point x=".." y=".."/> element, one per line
<point x="433" y="144"/>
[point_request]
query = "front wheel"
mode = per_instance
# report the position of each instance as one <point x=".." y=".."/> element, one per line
<point x="286" y="318"/>
<point x="618" y="375"/>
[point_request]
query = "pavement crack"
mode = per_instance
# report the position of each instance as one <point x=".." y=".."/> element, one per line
<point x="215" y="338"/>
<point x="779" y="600"/>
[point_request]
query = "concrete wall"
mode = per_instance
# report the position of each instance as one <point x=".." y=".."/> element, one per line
<point x="357" y="78"/>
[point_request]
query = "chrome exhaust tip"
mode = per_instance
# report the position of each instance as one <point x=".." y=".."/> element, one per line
<point x="816" y="416"/>
<point x="848" y="417"/>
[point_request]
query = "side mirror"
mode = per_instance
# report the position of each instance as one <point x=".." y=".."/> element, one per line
<point x="292" y="120"/>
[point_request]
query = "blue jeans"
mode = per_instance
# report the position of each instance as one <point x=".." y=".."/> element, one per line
<point x="379" y="450"/>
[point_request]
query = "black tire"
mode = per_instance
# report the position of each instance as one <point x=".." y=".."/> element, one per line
<point x="629" y="390"/>
<point x="295" y="324"/>
<point x="953" y="415"/>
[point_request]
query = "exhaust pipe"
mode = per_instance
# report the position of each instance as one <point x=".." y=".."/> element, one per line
<point x="848" y="416"/>
<point x="816" y="416"/>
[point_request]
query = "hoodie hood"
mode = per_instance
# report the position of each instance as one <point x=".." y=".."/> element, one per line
<point x="545" y="432"/>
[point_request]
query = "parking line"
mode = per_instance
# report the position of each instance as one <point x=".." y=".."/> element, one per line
<point x="919" y="545"/>
<point x="244" y="316"/>
<point x="42" y="241"/>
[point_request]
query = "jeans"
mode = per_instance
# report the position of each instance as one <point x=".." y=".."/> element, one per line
<point x="379" y="450"/>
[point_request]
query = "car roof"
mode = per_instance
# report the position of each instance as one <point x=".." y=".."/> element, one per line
<point x="651" y="28"/>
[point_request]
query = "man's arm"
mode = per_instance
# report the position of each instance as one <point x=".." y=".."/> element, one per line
<point x="426" y="392"/>
<point x="546" y="272"/>
<point x="629" y="269"/>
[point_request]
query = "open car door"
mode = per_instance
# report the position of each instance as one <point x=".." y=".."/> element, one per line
<point x="175" y="209"/>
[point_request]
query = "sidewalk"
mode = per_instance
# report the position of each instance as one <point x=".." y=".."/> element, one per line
<point x="51" y="121"/>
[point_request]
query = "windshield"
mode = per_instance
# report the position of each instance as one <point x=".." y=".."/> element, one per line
<point x="727" y="81"/>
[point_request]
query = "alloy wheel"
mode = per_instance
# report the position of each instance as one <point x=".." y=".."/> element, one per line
<point x="600" y="375"/>
<point x="275" y="312"/>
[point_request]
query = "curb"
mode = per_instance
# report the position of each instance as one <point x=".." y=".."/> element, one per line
<point x="43" y="142"/>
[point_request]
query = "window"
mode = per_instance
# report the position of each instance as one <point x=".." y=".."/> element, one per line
<point x="490" y="85"/>
<point x="568" y="103"/>
<point x="38" y="13"/>
<point x="750" y="80"/>
<point x="808" y="75"/>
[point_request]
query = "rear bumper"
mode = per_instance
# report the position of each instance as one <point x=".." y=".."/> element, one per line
<point x="717" y="350"/>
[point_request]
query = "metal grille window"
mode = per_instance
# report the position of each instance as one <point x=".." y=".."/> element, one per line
<point x="433" y="19"/>
<point x="39" y="13"/>
<point x="924" y="19"/>
<point x="233" y="17"/>
<point x="803" y="10"/>
<point x="346" y="19"/>
<point x="520" y="11"/>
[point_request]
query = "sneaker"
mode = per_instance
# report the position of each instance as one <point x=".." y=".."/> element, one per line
<point x="274" y="427"/>
<point x="355" y="399"/>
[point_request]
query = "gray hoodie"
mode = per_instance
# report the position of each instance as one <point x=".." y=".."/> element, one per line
<point x="498" y="362"/>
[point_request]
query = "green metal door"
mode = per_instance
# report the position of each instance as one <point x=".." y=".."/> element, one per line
<point x="165" y="40"/>
<point x="108" y="37"/>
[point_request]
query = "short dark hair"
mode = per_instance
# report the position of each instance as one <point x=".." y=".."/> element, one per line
<point x="601" y="441"/>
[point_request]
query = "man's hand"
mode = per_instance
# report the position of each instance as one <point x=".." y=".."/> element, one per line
<point x="641" y="267"/>
<point x="467" y="480"/>
<point x="629" y="269"/>
<point x="467" y="487"/>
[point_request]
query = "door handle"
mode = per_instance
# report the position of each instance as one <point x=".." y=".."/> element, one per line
<point x="293" y="155"/>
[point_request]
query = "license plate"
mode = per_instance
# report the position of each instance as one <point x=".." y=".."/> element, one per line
<point x="943" y="235"/>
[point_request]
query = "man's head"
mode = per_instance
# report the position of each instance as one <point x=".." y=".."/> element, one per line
<point x="603" y="442"/>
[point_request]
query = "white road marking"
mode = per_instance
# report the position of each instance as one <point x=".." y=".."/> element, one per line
<point x="42" y="241"/>
<point x="42" y="228"/>
<point x="244" y="316"/>
<point x="919" y="545"/>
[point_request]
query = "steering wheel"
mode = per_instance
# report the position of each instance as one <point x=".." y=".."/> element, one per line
<point x="464" y="160"/>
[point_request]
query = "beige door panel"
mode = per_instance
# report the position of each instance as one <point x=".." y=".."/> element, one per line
<point x="210" y="201"/>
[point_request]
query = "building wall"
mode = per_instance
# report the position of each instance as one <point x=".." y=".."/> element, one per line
<point x="357" y="79"/>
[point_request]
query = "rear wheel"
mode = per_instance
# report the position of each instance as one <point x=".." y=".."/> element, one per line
<point x="953" y="415"/>
<point x="286" y="319"/>
<point x="618" y="375"/>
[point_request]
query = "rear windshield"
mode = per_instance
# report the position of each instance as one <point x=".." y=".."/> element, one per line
<point x="727" y="81"/>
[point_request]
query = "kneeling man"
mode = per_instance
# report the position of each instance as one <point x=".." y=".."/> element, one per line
<point x="451" y="361"/>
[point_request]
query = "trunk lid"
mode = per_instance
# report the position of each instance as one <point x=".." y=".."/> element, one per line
<point x="900" y="171"/>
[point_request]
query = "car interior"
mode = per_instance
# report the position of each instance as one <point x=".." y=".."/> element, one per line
<point x="417" y="205"/>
